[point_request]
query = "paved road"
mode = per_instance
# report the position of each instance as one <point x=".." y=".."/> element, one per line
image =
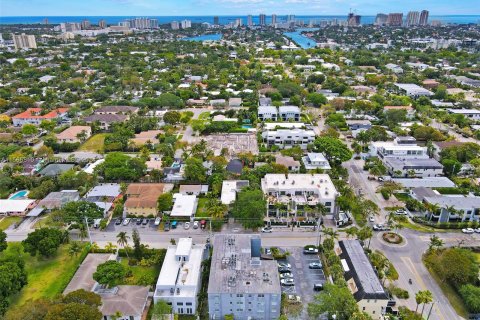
<point x="459" y="137"/>
<point x="188" y="134"/>
<point x="407" y="259"/>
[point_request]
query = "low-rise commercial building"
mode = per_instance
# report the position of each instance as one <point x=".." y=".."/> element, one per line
<point x="180" y="278"/>
<point x="362" y="280"/>
<point x="240" y="283"/>
<point x="291" y="194"/>
<point x="413" y="167"/>
<point x="185" y="205"/>
<point x="413" y="90"/>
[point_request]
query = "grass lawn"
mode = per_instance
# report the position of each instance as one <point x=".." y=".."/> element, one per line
<point x="8" y="221"/>
<point x="95" y="143"/>
<point x="402" y="196"/>
<point x="201" y="210"/>
<point x="478" y="257"/>
<point x="47" y="221"/>
<point x="451" y="295"/>
<point x="47" y="278"/>
<point x="421" y="228"/>
<point x="204" y="115"/>
<point x="141" y="275"/>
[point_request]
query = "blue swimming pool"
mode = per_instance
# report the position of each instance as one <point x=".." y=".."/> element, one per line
<point x="19" y="195"/>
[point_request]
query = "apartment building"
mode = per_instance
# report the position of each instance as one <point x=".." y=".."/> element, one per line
<point x="289" y="195"/>
<point x="24" y="41"/>
<point x="240" y="283"/>
<point x="36" y="116"/>
<point x="287" y="138"/>
<point x="266" y="113"/>
<point x="419" y="168"/>
<point x="289" y="113"/>
<point x="180" y="278"/>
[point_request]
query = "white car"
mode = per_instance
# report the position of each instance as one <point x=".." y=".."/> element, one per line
<point x="286" y="275"/>
<point x="477" y="230"/>
<point x="400" y="212"/>
<point x="126" y="221"/>
<point x="294" y="298"/>
<point x="468" y="230"/>
<point x="186" y="226"/>
<point x="267" y="230"/>
<point x="287" y="282"/>
<point x="371" y="219"/>
<point x="195" y="224"/>
<point x="157" y="221"/>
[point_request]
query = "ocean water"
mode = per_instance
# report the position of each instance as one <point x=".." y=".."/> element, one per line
<point x="303" y="41"/>
<point x="205" y="37"/>
<point x="458" y="19"/>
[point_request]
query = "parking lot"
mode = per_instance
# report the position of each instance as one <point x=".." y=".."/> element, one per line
<point x="304" y="277"/>
<point x="151" y="227"/>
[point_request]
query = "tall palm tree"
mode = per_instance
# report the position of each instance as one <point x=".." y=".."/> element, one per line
<point x="352" y="231"/>
<point x="123" y="240"/>
<point x="427" y="298"/>
<point x="364" y="234"/>
<point x="418" y="299"/>
<point x="435" y="243"/>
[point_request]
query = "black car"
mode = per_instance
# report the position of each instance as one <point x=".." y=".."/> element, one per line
<point x="317" y="287"/>
<point x="166" y="227"/>
<point x="118" y="222"/>
<point x="284" y="270"/>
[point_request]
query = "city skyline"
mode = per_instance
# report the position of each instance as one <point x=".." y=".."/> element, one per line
<point x="227" y="7"/>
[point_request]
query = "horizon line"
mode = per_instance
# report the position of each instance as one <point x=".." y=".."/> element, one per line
<point x="227" y="15"/>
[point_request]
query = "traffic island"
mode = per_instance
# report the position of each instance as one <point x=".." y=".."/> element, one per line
<point x="392" y="237"/>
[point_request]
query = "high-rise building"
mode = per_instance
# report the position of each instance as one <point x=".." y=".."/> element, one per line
<point x="70" y="26"/>
<point x="353" y="20"/>
<point x="291" y="18"/>
<point x="186" y="24"/>
<point x="249" y="20"/>
<point x="45" y="21"/>
<point x="216" y="21"/>
<point x="381" y="19"/>
<point x="24" y="41"/>
<point x="395" y="19"/>
<point x="274" y="19"/>
<point x="154" y="23"/>
<point x="174" y="25"/>
<point x="424" y="18"/>
<point x="102" y="24"/>
<point x="238" y="23"/>
<point x="413" y="18"/>
<point x="263" y="19"/>
<point x="85" y="24"/>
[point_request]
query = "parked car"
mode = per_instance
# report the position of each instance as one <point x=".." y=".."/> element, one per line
<point x="477" y="230"/>
<point x="468" y="230"/>
<point x="371" y="219"/>
<point x="287" y="282"/>
<point x="315" y="265"/>
<point x="401" y="212"/>
<point x="195" y="224"/>
<point x="377" y="227"/>
<point x="284" y="265"/>
<point x="268" y="251"/>
<point x="310" y="250"/>
<point x="126" y="221"/>
<point x="166" y="226"/>
<point x="139" y="221"/>
<point x="294" y="298"/>
<point x="174" y="224"/>
<point x="118" y="222"/>
<point x="186" y="226"/>
<point x="284" y="270"/>
<point x="267" y="230"/>
<point x="380" y="179"/>
<point x="145" y="221"/>
<point x="286" y="275"/>
<point x="157" y="221"/>
<point x="317" y="287"/>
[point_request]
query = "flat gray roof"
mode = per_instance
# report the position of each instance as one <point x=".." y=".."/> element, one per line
<point x="234" y="271"/>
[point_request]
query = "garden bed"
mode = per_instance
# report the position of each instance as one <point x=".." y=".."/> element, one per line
<point x="392" y="237"/>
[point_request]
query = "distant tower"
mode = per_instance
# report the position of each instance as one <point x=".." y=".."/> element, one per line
<point x="381" y="19"/>
<point x="85" y="24"/>
<point x="424" y="17"/>
<point x="274" y="19"/>
<point x="395" y="19"/>
<point x="249" y="20"/>
<point x="45" y="21"/>
<point x="216" y="21"/>
<point x="263" y="19"/>
<point x="353" y="20"/>
<point x="102" y="24"/>
<point x="412" y="18"/>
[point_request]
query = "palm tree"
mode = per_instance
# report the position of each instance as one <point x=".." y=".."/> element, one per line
<point x="435" y="243"/>
<point x="418" y="299"/>
<point x="364" y="234"/>
<point x="352" y="231"/>
<point x="110" y="247"/>
<point x="74" y="249"/>
<point x="123" y="240"/>
<point x="94" y="247"/>
<point x="333" y="234"/>
<point x="427" y="298"/>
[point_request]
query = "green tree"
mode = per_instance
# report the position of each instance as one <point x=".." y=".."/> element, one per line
<point x="334" y="300"/>
<point x="161" y="310"/>
<point x="73" y="311"/>
<point x="165" y="201"/>
<point x="74" y="249"/>
<point x="334" y="149"/>
<point x="29" y="129"/>
<point x="250" y="208"/>
<point x="83" y="297"/>
<point x="109" y="273"/>
<point x="3" y="241"/>
<point x="138" y="248"/>
<point x="435" y="243"/>
<point x="121" y="167"/>
<point x="122" y="240"/>
<point x="194" y="170"/>
<point x="172" y="117"/>
<point x="45" y="241"/>
<point x="471" y="297"/>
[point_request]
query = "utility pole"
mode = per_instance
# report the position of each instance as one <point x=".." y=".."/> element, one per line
<point x="319" y="236"/>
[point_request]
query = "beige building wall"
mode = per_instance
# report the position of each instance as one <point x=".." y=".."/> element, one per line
<point x="373" y="307"/>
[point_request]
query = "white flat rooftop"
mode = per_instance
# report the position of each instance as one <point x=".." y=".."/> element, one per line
<point x="7" y="205"/>
<point x="184" y="206"/>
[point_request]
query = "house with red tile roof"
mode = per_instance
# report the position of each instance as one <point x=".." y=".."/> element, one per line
<point x="35" y="116"/>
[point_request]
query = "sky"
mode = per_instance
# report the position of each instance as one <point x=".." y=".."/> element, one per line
<point x="229" y="7"/>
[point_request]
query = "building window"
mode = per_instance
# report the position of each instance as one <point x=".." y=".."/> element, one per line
<point x="188" y="303"/>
